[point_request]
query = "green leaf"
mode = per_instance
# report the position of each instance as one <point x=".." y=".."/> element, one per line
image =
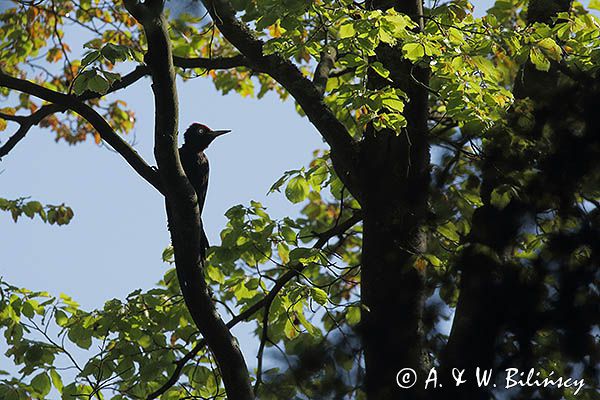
<point x="241" y="292"/>
<point x="449" y="231"/>
<point x="455" y="36"/>
<point x="114" y="52"/>
<point x="319" y="295"/>
<point x="432" y="48"/>
<point x="80" y="336"/>
<point x="393" y="103"/>
<point x="28" y="210"/>
<point x="41" y="384"/>
<point x="11" y="394"/>
<point x="111" y="76"/>
<point x="168" y="254"/>
<point x="98" y="84"/>
<point x="277" y="185"/>
<point x="380" y="69"/>
<point x="61" y="318"/>
<point x="80" y="84"/>
<point x="398" y="23"/>
<point x="413" y="51"/>
<point x="351" y="60"/>
<point x="284" y="252"/>
<point x="89" y="58"/>
<point x="433" y="260"/>
<point x="145" y="341"/>
<point x="27" y="309"/>
<point x="353" y="316"/>
<point x="56" y="380"/>
<point x="347" y="30"/>
<point x="594" y="5"/>
<point x="289" y="234"/>
<point x="539" y="59"/>
<point x="550" y="49"/>
<point x="215" y="274"/>
<point x="70" y="392"/>
<point x="386" y="37"/>
<point x="297" y="189"/>
<point x="290" y="329"/>
<point x="300" y="314"/>
<point x="500" y="197"/>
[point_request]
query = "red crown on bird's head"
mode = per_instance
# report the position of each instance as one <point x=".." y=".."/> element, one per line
<point x="199" y="126"/>
<point x="199" y="136"/>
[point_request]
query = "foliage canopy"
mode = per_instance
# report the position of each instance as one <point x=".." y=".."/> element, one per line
<point x="511" y="104"/>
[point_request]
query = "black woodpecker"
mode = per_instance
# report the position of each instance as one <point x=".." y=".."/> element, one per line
<point x="195" y="163"/>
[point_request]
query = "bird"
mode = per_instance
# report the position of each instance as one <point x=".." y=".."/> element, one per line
<point x="196" y="139"/>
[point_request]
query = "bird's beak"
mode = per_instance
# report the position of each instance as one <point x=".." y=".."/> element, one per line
<point x="220" y="132"/>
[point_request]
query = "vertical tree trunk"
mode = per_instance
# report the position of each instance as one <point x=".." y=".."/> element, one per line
<point x="395" y="187"/>
<point x="490" y="288"/>
<point x="182" y="204"/>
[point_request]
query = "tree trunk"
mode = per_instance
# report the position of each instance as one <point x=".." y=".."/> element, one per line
<point x="490" y="289"/>
<point x="182" y="204"/>
<point x="395" y="187"/>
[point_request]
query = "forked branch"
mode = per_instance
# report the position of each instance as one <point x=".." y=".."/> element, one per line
<point x="63" y="101"/>
<point x="26" y="122"/>
<point x="344" y="150"/>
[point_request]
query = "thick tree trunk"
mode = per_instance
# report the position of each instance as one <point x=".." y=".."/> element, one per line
<point x="395" y="187"/>
<point x="491" y="292"/>
<point x="392" y="287"/>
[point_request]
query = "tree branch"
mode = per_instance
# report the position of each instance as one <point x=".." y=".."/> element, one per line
<point x="344" y="152"/>
<point x="183" y="211"/>
<point x="96" y="120"/>
<point x="261" y="347"/>
<point x="25" y="125"/>
<point x="27" y="122"/>
<point x="15" y="118"/>
<point x="213" y="63"/>
<point x="126" y="80"/>
<point x="265" y="302"/>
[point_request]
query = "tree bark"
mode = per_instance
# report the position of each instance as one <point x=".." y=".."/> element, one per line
<point x="490" y="288"/>
<point x="182" y="205"/>
<point x="395" y="186"/>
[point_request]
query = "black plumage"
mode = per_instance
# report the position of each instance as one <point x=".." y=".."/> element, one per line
<point x="195" y="163"/>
